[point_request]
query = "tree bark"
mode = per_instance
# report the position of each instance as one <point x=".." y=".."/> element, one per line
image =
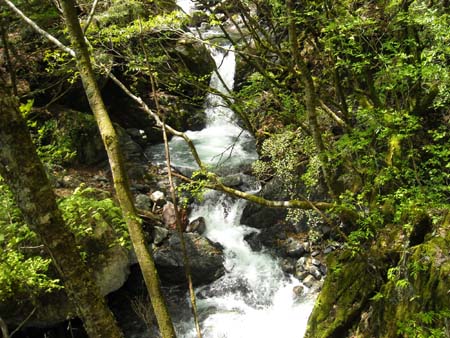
<point x="116" y="162"/>
<point x="26" y="177"/>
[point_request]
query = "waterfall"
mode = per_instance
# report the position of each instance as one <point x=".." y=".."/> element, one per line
<point x="254" y="298"/>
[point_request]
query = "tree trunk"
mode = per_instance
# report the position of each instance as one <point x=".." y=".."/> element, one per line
<point x="26" y="177"/>
<point x="116" y="162"/>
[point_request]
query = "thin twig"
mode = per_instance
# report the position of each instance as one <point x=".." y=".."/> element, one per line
<point x="23" y="322"/>
<point x="90" y="17"/>
<point x="186" y="260"/>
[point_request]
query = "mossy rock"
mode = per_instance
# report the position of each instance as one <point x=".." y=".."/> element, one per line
<point x="426" y="291"/>
<point x="358" y="300"/>
<point x="347" y="289"/>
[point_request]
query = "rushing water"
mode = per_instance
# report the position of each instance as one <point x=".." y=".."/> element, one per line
<point x="254" y="298"/>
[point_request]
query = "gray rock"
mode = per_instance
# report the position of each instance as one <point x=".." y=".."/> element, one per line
<point x="328" y="249"/>
<point x="143" y="202"/>
<point x="315" y="253"/>
<point x="300" y="265"/>
<point x="261" y="217"/>
<point x="232" y="180"/>
<point x="159" y="235"/>
<point x="301" y="275"/>
<point x="198" y="225"/>
<point x="309" y="281"/>
<point x="314" y="271"/>
<point x="307" y="246"/>
<point x="288" y="265"/>
<point x="323" y="269"/>
<point x="315" y="262"/>
<point x="157" y="197"/>
<point x="298" y="291"/>
<point x="294" y="248"/>
<point x="206" y="259"/>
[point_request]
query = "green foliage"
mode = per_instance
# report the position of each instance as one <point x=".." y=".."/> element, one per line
<point x="196" y="188"/>
<point x="87" y="212"/>
<point x="24" y="264"/>
<point x="284" y="156"/>
<point x="22" y="269"/>
<point x="431" y="324"/>
<point x="54" y="145"/>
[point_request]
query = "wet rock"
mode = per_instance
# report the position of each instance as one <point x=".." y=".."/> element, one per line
<point x="294" y="248"/>
<point x="198" y="225"/>
<point x="315" y="262"/>
<point x="323" y="269"/>
<point x="309" y="281"/>
<point x="254" y="241"/>
<point x="205" y="256"/>
<point x="315" y="272"/>
<point x="301" y="275"/>
<point x="232" y="180"/>
<point x="288" y="265"/>
<point x="328" y="249"/>
<point x="260" y="217"/>
<point x="315" y="253"/>
<point x="298" y="291"/>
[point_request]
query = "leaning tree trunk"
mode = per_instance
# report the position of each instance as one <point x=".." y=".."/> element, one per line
<point x="116" y="162"/>
<point x="26" y="177"/>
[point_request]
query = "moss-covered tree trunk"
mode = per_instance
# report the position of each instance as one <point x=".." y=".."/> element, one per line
<point x="116" y="162"/>
<point x="26" y="177"/>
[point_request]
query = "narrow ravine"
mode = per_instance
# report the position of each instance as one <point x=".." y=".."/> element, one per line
<point x="254" y="298"/>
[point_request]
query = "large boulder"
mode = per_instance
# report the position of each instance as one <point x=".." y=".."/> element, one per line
<point x="110" y="269"/>
<point x="258" y="216"/>
<point x="206" y="259"/>
<point x="361" y="299"/>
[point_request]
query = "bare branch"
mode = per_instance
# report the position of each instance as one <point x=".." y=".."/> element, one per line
<point x="23" y="322"/>
<point x="90" y="17"/>
<point x="4" y="328"/>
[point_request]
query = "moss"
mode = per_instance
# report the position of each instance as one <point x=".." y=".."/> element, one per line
<point x="427" y="270"/>
<point x="348" y="287"/>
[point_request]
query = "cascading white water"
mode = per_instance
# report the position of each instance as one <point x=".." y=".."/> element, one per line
<point x="223" y="142"/>
<point x="254" y="298"/>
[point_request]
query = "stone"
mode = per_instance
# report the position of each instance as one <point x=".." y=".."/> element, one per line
<point x="315" y="253"/>
<point x="253" y="239"/>
<point x="300" y="264"/>
<point x="157" y="196"/>
<point x="198" y="225"/>
<point x="309" y="281"/>
<point x="159" y="235"/>
<point x="261" y="217"/>
<point x="143" y="202"/>
<point x="314" y="271"/>
<point x="294" y="248"/>
<point x="206" y="258"/>
<point x="323" y="269"/>
<point x="328" y="249"/>
<point x="298" y="291"/>
<point x="288" y="265"/>
<point x="232" y="180"/>
<point x="301" y="275"/>
<point x="315" y="262"/>
<point x="169" y="217"/>
<point x="307" y="246"/>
